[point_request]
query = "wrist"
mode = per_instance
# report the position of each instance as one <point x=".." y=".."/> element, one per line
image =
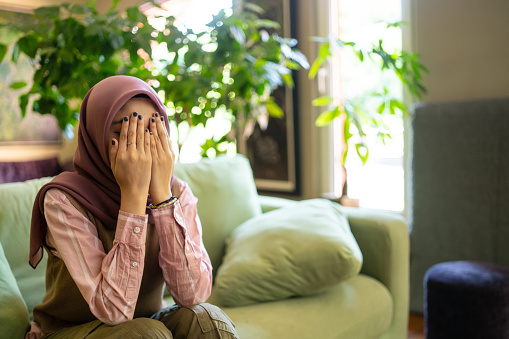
<point x="158" y="198"/>
<point x="133" y="203"/>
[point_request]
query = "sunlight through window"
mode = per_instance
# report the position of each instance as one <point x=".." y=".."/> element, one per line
<point x="379" y="184"/>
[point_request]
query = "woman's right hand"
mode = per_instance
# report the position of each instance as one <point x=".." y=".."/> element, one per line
<point x="131" y="161"/>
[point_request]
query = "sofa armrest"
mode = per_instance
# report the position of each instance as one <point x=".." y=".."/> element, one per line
<point x="383" y="238"/>
<point x="14" y="321"/>
<point x="384" y="241"/>
<point x="271" y="203"/>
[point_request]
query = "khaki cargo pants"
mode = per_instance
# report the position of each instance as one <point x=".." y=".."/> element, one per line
<point x="203" y="321"/>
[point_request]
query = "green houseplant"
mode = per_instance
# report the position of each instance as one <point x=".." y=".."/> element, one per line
<point x="72" y="47"/>
<point x="234" y="65"/>
<point x="369" y="109"/>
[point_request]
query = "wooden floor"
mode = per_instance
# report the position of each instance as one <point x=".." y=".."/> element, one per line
<point x="416" y="326"/>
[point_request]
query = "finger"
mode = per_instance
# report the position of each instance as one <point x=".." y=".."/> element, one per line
<point x="113" y="153"/>
<point x="140" y="134"/>
<point x="162" y="133"/>
<point x="122" y="143"/>
<point x="146" y="141"/>
<point x="153" y="146"/>
<point x="131" y="132"/>
<point x="155" y="136"/>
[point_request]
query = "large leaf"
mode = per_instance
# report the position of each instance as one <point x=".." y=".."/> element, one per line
<point x="15" y="53"/>
<point x="238" y="34"/>
<point x="80" y="9"/>
<point x="362" y="152"/>
<point x="326" y="117"/>
<point x="323" y="54"/>
<point x="18" y="85"/>
<point x="274" y="110"/>
<point x="3" y="51"/>
<point x="322" y="101"/>
<point x="28" y="45"/>
<point x="49" y="12"/>
<point x="23" y="102"/>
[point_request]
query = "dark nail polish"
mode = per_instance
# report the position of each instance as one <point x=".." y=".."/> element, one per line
<point x="157" y="115"/>
<point x="113" y="142"/>
<point x="126" y="119"/>
<point x="151" y="133"/>
<point x="162" y="119"/>
<point x="135" y="114"/>
<point x="146" y="130"/>
<point x="140" y="117"/>
<point x="153" y="120"/>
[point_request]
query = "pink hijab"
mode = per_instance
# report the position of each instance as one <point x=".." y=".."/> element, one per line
<point x="93" y="183"/>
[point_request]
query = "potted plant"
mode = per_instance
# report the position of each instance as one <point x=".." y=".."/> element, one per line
<point x="235" y="64"/>
<point x="72" y="47"/>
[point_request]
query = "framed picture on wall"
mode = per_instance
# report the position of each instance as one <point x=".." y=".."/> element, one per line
<point x="272" y="149"/>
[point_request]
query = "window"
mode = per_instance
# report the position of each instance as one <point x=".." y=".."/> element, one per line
<point x="379" y="184"/>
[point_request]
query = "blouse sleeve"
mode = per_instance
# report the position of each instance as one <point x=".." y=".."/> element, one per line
<point x="183" y="258"/>
<point x="109" y="282"/>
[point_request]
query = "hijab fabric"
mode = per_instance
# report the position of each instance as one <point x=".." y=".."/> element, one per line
<point x="93" y="183"/>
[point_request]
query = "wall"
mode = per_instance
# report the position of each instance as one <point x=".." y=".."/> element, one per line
<point x="464" y="43"/>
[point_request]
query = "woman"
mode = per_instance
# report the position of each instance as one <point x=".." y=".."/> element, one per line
<point x="120" y="228"/>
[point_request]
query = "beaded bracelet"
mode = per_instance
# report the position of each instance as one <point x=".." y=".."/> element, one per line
<point x="165" y="203"/>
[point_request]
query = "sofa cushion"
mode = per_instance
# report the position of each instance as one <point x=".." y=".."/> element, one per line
<point x="14" y="319"/>
<point x="360" y="307"/>
<point x="293" y="251"/>
<point x="15" y="215"/>
<point x="226" y="195"/>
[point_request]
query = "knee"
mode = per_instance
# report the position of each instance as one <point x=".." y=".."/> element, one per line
<point x="216" y="319"/>
<point x="204" y="321"/>
<point x="149" y="328"/>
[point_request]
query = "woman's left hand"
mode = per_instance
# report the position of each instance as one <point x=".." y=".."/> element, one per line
<point x="163" y="160"/>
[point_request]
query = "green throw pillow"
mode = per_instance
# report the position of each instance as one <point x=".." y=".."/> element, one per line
<point x="293" y="251"/>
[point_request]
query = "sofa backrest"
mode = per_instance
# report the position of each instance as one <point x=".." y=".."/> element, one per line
<point x="226" y="197"/>
<point x="15" y="214"/>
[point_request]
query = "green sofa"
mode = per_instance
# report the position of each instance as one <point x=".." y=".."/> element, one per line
<point x="372" y="304"/>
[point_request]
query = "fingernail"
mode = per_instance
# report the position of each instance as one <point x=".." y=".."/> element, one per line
<point x="140" y="117"/>
<point x="150" y="133"/>
<point x="135" y="114"/>
<point x="157" y="114"/>
<point x="126" y="119"/>
<point x="113" y="142"/>
<point x="162" y="119"/>
<point x="146" y="130"/>
<point x="153" y="120"/>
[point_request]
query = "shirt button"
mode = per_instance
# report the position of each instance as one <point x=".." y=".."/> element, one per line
<point x="135" y="264"/>
<point x="137" y="230"/>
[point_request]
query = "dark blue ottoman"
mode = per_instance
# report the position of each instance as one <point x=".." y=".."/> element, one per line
<point x="467" y="300"/>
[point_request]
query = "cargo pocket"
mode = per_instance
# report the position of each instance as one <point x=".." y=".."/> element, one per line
<point x="212" y="319"/>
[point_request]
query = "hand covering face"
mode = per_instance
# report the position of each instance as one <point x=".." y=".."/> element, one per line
<point x="93" y="183"/>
